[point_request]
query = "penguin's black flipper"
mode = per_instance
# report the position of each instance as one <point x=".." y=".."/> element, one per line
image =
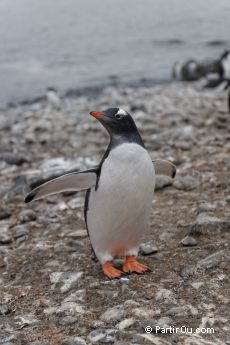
<point x="163" y="167"/>
<point x="75" y="181"/>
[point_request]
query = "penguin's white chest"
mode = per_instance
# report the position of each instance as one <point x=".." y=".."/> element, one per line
<point x="118" y="210"/>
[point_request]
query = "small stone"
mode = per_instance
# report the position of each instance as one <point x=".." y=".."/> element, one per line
<point x="8" y="339"/>
<point x="70" y="308"/>
<point x="38" y="342"/>
<point x="162" y="181"/>
<point x="4" y="309"/>
<point x="149" y="322"/>
<point x="103" y="336"/>
<point x="28" y="319"/>
<point x="27" y="216"/>
<point x="164" y="322"/>
<point x="143" y="313"/>
<point x="163" y="294"/>
<point x="4" y="213"/>
<point x="15" y="159"/>
<point x="176" y="311"/>
<point x="185" y="183"/>
<point x="189" y="241"/>
<point x="126" y="323"/>
<point x="20" y="231"/>
<point x="62" y="206"/>
<point x="67" y="278"/>
<point x="5" y="236"/>
<point x="205" y="224"/>
<point x="73" y="341"/>
<point x="148" y="248"/>
<point x="206" y="207"/>
<point x="68" y="320"/>
<point x="76" y="203"/>
<point x="124" y="280"/>
<point x="213" y="260"/>
<point x="113" y="314"/>
<point x="197" y="285"/>
<point x="78" y="233"/>
<point x="78" y="295"/>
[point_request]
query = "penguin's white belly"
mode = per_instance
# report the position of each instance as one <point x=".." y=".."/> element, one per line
<point x="118" y="210"/>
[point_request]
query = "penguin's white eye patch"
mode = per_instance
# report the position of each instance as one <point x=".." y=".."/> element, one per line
<point x="121" y="112"/>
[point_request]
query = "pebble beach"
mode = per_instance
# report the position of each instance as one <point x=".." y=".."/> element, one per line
<point x="51" y="292"/>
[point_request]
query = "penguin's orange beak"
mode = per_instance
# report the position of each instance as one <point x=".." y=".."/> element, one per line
<point x="97" y="114"/>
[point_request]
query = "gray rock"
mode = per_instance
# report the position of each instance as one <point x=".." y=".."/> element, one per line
<point x="206" y="207"/>
<point x="103" y="336"/>
<point x="38" y="342"/>
<point x="205" y="224"/>
<point x="124" y="280"/>
<point x="163" y="322"/>
<point x="148" y="248"/>
<point x="12" y="338"/>
<point x="77" y="202"/>
<point x="27" y="216"/>
<point x="176" y="311"/>
<point x="68" y="279"/>
<point x="163" y="294"/>
<point x="5" y="235"/>
<point x="143" y="313"/>
<point x="162" y="181"/>
<point x="197" y="285"/>
<point x="77" y="233"/>
<point x="68" y="320"/>
<point x="4" y="309"/>
<point x="189" y="241"/>
<point x="20" y="231"/>
<point x="113" y="314"/>
<point x="213" y="260"/>
<point x="126" y="323"/>
<point x="185" y="183"/>
<point x="15" y="159"/>
<point x="4" y="213"/>
<point x="78" y="295"/>
<point x="70" y="308"/>
<point x="73" y="341"/>
<point x="27" y="319"/>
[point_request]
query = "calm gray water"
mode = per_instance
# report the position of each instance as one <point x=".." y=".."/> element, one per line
<point x="75" y="43"/>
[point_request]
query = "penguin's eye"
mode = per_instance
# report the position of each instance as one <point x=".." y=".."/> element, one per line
<point x="118" y="116"/>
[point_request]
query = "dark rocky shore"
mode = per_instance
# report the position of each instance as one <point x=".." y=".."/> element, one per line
<point x="51" y="292"/>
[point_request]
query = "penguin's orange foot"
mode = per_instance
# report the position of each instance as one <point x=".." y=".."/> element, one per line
<point x="110" y="271"/>
<point x="132" y="265"/>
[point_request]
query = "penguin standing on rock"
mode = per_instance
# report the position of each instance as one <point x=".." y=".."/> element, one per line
<point x="119" y="193"/>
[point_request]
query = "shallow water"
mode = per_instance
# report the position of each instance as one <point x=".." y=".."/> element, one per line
<point x="73" y="43"/>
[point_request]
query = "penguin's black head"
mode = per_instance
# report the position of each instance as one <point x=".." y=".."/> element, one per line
<point x="116" y="121"/>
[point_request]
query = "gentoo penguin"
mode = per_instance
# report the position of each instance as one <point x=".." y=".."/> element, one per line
<point x="119" y="193"/>
<point x="53" y="98"/>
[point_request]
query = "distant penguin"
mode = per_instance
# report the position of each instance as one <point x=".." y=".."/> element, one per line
<point x="223" y="82"/>
<point x="53" y="98"/>
<point x="225" y="65"/>
<point x="119" y="193"/>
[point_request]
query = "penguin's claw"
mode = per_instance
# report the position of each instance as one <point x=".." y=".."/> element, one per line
<point x="132" y="265"/>
<point x="110" y="271"/>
